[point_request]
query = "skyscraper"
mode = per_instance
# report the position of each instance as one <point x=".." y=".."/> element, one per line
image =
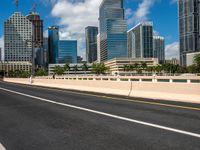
<point x="18" y="32"/>
<point x="67" y="51"/>
<point x="37" y="37"/>
<point x="38" y="28"/>
<point x="189" y="28"/>
<point x="91" y="43"/>
<point x="159" y="48"/>
<point x="113" y="30"/>
<point x="46" y="51"/>
<point x="140" y="41"/>
<point x="53" y="32"/>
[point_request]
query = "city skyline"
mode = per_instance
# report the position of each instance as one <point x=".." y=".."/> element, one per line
<point x="136" y="10"/>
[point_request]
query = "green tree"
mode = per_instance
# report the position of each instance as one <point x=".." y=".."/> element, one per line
<point x="144" y="65"/>
<point x="58" y="70"/>
<point x="67" y="67"/>
<point x="197" y="60"/>
<point x="41" y="72"/>
<point x="99" y="68"/>
<point x="85" y="67"/>
<point x="126" y="68"/>
<point x="75" y="68"/>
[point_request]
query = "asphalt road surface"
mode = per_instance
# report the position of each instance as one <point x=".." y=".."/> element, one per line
<point x="35" y="118"/>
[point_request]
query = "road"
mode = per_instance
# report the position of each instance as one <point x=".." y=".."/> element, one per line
<point x="36" y="118"/>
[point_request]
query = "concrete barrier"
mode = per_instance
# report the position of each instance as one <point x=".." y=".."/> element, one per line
<point x="184" y="92"/>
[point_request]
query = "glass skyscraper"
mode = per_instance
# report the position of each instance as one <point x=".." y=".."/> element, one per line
<point x="67" y="51"/>
<point x="91" y="43"/>
<point x="113" y="30"/>
<point x="140" y="41"/>
<point x="53" y="36"/>
<point x="189" y="26"/>
<point x="159" y="48"/>
<point x="18" y="33"/>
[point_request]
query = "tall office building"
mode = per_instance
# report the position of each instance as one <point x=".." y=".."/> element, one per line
<point x="98" y="48"/>
<point x="38" y="28"/>
<point x="37" y="37"/>
<point x="46" y="51"/>
<point x="140" y="41"/>
<point x="113" y="30"/>
<point x="189" y="26"/>
<point x="67" y="51"/>
<point x="159" y="48"/>
<point x="18" y="32"/>
<point x="53" y="36"/>
<point x="91" y="43"/>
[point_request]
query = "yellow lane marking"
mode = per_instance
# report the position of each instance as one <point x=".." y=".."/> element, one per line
<point x="116" y="99"/>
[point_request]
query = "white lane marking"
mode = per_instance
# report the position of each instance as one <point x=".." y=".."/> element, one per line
<point x="107" y="114"/>
<point x="2" y="147"/>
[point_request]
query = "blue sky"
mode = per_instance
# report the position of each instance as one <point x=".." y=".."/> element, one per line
<point x="74" y="15"/>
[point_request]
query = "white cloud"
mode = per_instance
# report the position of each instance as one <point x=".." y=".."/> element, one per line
<point x="172" y="50"/>
<point x="2" y="46"/>
<point x="142" y="12"/>
<point x="73" y="16"/>
<point x="173" y="1"/>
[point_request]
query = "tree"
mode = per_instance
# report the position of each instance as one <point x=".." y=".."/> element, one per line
<point x="99" y="68"/>
<point x="75" y="68"/>
<point x="67" y="67"/>
<point x="58" y="70"/>
<point x="41" y="72"/>
<point x="144" y="65"/>
<point x="126" y="68"/>
<point x="85" y="67"/>
<point x="197" y="60"/>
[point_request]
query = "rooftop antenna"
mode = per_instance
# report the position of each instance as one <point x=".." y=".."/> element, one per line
<point x="17" y="5"/>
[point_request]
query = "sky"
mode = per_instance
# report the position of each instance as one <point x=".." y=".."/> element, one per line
<point x="72" y="16"/>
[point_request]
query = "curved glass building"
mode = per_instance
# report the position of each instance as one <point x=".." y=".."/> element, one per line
<point x="113" y="30"/>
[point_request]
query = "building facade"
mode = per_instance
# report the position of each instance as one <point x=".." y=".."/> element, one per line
<point x="98" y="48"/>
<point x="18" y="33"/>
<point x="67" y="51"/>
<point x="91" y="43"/>
<point x="189" y="28"/>
<point x="190" y="58"/>
<point x="37" y="38"/>
<point x="113" y="30"/>
<point x="46" y="51"/>
<point x="116" y="65"/>
<point x="159" y="48"/>
<point x="140" y="41"/>
<point x="53" y="40"/>
<point x="71" y="71"/>
<point x="8" y="66"/>
<point x="173" y="61"/>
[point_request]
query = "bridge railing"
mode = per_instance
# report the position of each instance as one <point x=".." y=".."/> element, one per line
<point x="155" y="79"/>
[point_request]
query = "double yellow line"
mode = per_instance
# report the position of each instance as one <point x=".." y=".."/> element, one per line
<point x="122" y="99"/>
<point x="115" y="98"/>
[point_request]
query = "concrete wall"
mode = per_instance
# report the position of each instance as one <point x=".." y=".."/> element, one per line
<point x="185" y="92"/>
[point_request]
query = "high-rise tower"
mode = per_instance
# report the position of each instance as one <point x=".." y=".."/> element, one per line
<point x="140" y="41"/>
<point x="18" y="32"/>
<point x="113" y="30"/>
<point x="189" y="28"/>
<point x="53" y="36"/>
<point x="34" y="17"/>
<point x="91" y="43"/>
